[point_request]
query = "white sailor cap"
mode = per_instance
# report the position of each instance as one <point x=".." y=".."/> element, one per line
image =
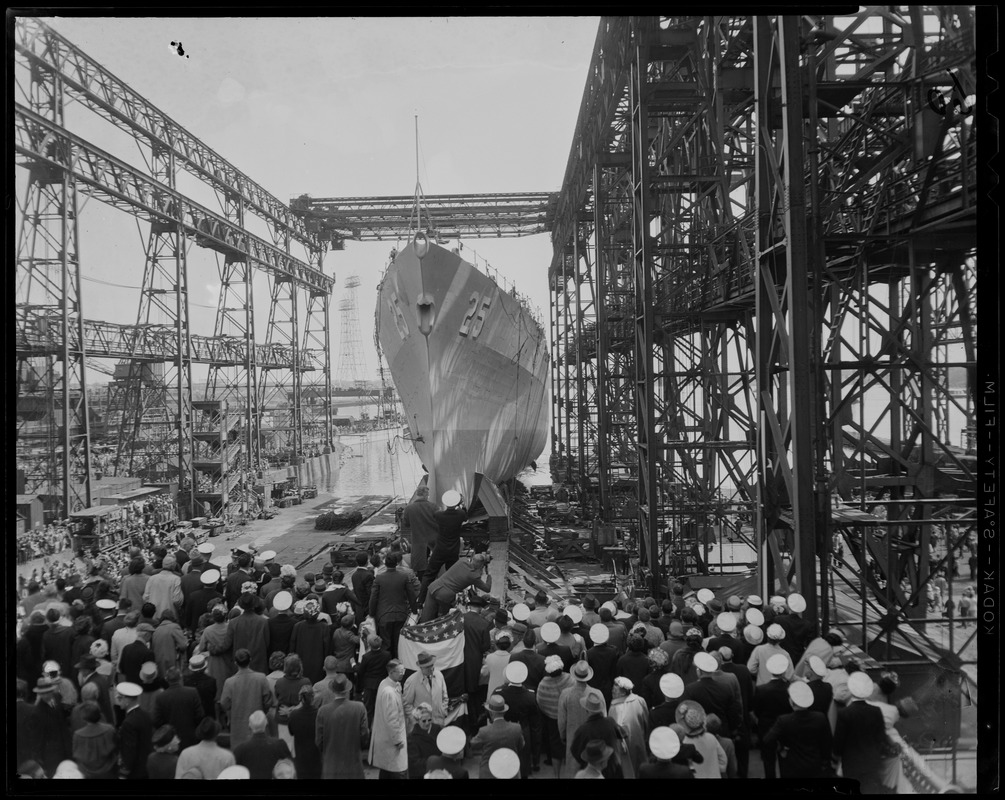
<point x="550" y="632"/>
<point x="575" y="613"/>
<point x="268" y="555"/>
<point x="777" y="664"/>
<point x="206" y="548"/>
<point x="210" y="576"/>
<point x="128" y="689"/>
<point x="504" y="763"/>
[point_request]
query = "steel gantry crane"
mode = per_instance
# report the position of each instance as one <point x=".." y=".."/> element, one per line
<point x="763" y="302"/>
<point x="60" y="165"/>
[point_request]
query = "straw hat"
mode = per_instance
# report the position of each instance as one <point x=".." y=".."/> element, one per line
<point x="582" y="671"/>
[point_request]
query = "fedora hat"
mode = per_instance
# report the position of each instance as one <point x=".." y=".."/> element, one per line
<point x="45" y="686"/>
<point x="497" y="704"/>
<point x="148" y="672"/>
<point x="87" y="662"/>
<point x="581" y="671"/>
<point x="593" y="703"/>
<point x="425" y="659"/>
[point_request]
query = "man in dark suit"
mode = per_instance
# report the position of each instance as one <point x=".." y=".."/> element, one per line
<point x="801" y="739"/>
<point x="136" y="654"/>
<point x="664" y="745"/>
<point x="281" y="623"/>
<point x="823" y="692"/>
<point x="190" y="581"/>
<point x="362" y="582"/>
<point x="341" y="733"/>
<point x="603" y="658"/>
<point x="550" y="633"/>
<point x="238" y="577"/>
<point x="860" y="736"/>
<point x="260" y="752"/>
<point x="714" y="697"/>
<point x="524" y="711"/>
<point x="179" y="706"/>
<point x="87" y="673"/>
<point x="447" y="549"/>
<point x="746" y="682"/>
<point x="197" y="602"/>
<point x="468" y="680"/>
<point x="771" y="700"/>
<point x="665" y="714"/>
<point x="250" y="631"/>
<point x="529" y="657"/>
<point x="204" y="683"/>
<point x="798" y="631"/>
<point x="392" y="598"/>
<point x="135" y="733"/>
<point x="498" y="733"/>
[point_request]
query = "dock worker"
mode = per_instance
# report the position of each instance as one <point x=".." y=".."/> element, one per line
<point x="448" y="539"/>
<point x="443" y="591"/>
<point x="419" y="525"/>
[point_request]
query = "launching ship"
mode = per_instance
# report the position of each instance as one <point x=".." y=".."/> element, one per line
<point x="470" y="363"/>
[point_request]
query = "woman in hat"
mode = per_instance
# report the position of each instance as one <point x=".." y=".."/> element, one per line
<point x="312" y="640"/>
<point x="549" y="690"/>
<point x="713" y="764"/>
<point x="95" y="745"/>
<point x="217" y="644"/>
<point x="277" y="661"/>
<point x="682" y="662"/>
<point x="421" y="741"/>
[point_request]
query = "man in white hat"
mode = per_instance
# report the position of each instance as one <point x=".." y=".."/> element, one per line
<point x="197" y="602"/>
<point x="425" y="686"/>
<point x="524" y="711"/>
<point x="496" y="735"/>
<point x="715" y="697"/>
<point x="726" y="623"/>
<point x="603" y="659"/>
<point x="135" y="733"/>
<point x="550" y="634"/>
<point x="798" y="631"/>
<point x="802" y="738"/>
<point x="451" y="742"/>
<point x="771" y="700"/>
<point x="447" y="549"/>
<point x="860" y="736"/>
<point x="672" y="687"/>
<point x="824" y="647"/>
<point x="759" y="657"/>
<point x="823" y="692"/>
<point x="664" y="744"/>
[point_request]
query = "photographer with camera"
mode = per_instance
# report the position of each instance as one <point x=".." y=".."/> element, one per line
<point x="444" y="590"/>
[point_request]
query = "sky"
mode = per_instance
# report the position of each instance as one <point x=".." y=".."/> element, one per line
<point x="328" y="107"/>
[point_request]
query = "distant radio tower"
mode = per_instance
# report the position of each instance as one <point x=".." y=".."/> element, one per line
<point x="350" y="372"/>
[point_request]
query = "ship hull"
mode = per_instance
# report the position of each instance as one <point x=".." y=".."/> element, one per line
<point x="470" y="364"/>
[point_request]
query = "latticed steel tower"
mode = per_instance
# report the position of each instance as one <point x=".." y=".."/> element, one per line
<point x="351" y="365"/>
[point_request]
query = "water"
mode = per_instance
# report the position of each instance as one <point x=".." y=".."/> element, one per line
<point x="378" y="462"/>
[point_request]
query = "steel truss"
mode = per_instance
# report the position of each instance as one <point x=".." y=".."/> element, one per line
<point x="51" y="69"/>
<point x="788" y="228"/>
